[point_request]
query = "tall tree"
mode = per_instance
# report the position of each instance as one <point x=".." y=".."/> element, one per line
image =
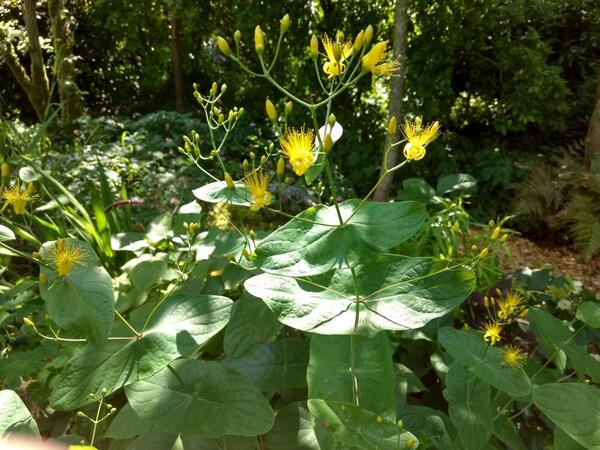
<point x="71" y="98"/>
<point x="35" y="82"/>
<point x="175" y="43"/>
<point x="397" y="92"/>
<point x="592" y="139"/>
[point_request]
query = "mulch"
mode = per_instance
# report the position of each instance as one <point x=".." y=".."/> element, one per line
<point x="564" y="260"/>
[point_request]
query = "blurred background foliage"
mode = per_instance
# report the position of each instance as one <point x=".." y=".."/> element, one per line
<point x="511" y="81"/>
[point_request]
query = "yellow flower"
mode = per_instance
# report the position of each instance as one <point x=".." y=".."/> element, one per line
<point x="513" y="356"/>
<point x="337" y="52"/>
<point x="257" y="182"/>
<point x="492" y="333"/>
<point x="418" y="137"/>
<point x="18" y="198"/>
<point x="66" y="255"/>
<point x="511" y="304"/>
<point x="297" y="146"/>
<point x="374" y="61"/>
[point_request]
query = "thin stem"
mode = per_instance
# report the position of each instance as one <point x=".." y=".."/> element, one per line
<point x="127" y="324"/>
<point x="276" y="51"/>
<point x="96" y="421"/>
<point x="353" y="338"/>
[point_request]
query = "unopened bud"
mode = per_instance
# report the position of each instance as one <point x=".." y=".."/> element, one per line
<point x="484" y="253"/>
<point x="271" y="111"/>
<point x="379" y="419"/>
<point x="280" y="168"/>
<point x="252" y="155"/>
<point x="495" y="233"/>
<point x="237" y="36"/>
<point x="231" y="115"/>
<point x="112" y="410"/>
<point x="80" y="414"/>
<point x="5" y="170"/>
<point x="314" y="46"/>
<point x="259" y="40"/>
<point x="245" y="165"/>
<point x="223" y="88"/>
<point x="524" y="312"/>
<point x="456" y="227"/>
<point x="229" y="181"/>
<point x="214" y="153"/>
<point x="285" y="23"/>
<point x="410" y="442"/>
<point x="288" y="181"/>
<point x="241" y="111"/>
<point x="288" y="107"/>
<point x="358" y="42"/>
<point x="337" y="51"/>
<point x="368" y="35"/>
<point x="331" y="120"/>
<point x="247" y="255"/>
<point x="504" y="238"/>
<point x="214" y="88"/>
<point x="221" y="118"/>
<point x="491" y="224"/>
<point x="400" y="423"/>
<point x="27" y="321"/>
<point x="392" y="126"/>
<point x="327" y="143"/>
<point x="171" y="246"/>
<point x="263" y="160"/>
<point x="223" y="46"/>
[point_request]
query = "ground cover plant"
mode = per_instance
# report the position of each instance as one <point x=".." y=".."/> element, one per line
<point x="354" y="324"/>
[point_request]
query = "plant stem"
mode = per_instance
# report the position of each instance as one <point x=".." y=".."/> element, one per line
<point x="353" y="339"/>
<point x="127" y="324"/>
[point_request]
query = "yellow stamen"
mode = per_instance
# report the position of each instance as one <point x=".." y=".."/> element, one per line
<point x="418" y="137"/>
<point x="18" y="198"/>
<point x="335" y="66"/>
<point x="297" y="146"/>
<point x="492" y="333"/>
<point x="513" y="356"/>
<point x="509" y="306"/>
<point x="374" y="61"/>
<point x="67" y="255"/>
<point x="257" y="183"/>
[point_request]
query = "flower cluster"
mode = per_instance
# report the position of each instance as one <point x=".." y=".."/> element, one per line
<point x="502" y="312"/>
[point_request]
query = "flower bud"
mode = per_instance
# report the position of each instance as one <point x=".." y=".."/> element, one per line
<point x="252" y="234"/>
<point x="245" y="165"/>
<point x="504" y="238"/>
<point x="280" y="168"/>
<point x="271" y="111"/>
<point x="288" y="181"/>
<point x="223" y="88"/>
<point x="327" y="143"/>
<point x="410" y="442"/>
<point x="379" y="419"/>
<point x="331" y="120"/>
<point x="392" y="126"/>
<point x="214" y="88"/>
<point x="221" y="118"/>
<point x="285" y="23"/>
<point x="288" y="107"/>
<point x="252" y="155"/>
<point x="358" y="42"/>
<point x="214" y="153"/>
<point x="496" y="233"/>
<point x="400" y="423"/>
<point x="337" y="51"/>
<point x="368" y="35"/>
<point x="80" y="414"/>
<point x="524" y="312"/>
<point x="259" y="40"/>
<point x="223" y="46"/>
<point x="241" y="111"/>
<point x="5" y="170"/>
<point x="237" y="36"/>
<point x="314" y="46"/>
<point x="486" y="301"/>
<point x="456" y="227"/>
<point x="484" y="253"/>
<point x="491" y="224"/>
<point x="229" y="181"/>
<point x="27" y="321"/>
<point x="263" y="160"/>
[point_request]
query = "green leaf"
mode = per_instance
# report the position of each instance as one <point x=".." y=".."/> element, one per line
<point x="6" y="234"/>
<point x="201" y="397"/>
<point x="396" y="293"/>
<point x="484" y="361"/>
<point x="589" y="313"/>
<point x="428" y="424"/>
<point x="574" y="408"/>
<point x="193" y="442"/>
<point x="15" y="418"/>
<point x="181" y="325"/>
<point x="126" y="424"/>
<point x="155" y="439"/>
<point x="562" y="441"/>
<point x="469" y="406"/>
<point x="416" y="189"/>
<point x="83" y="301"/>
<point x="219" y="192"/>
<point x="146" y="270"/>
<point x="275" y="365"/>
<point x="507" y="432"/>
<point x="356" y="426"/>
<point x="293" y="429"/>
<point x="313" y="242"/>
<point x="251" y="324"/>
<point x="456" y="182"/>
<point x="329" y="376"/>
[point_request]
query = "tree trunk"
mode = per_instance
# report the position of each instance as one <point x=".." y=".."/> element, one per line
<point x="175" y="43"/>
<point x="71" y="98"/>
<point x="592" y="139"/>
<point x="34" y="83"/>
<point x="382" y="193"/>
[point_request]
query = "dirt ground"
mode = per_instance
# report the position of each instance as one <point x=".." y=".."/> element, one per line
<point x="565" y="261"/>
